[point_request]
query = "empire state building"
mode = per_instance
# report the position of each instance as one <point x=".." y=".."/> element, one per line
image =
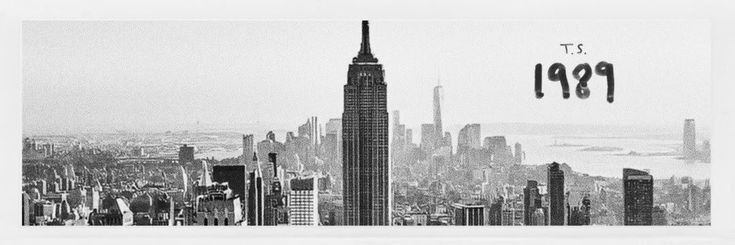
<point x="365" y="140"/>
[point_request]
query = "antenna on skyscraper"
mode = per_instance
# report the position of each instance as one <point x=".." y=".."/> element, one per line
<point x="438" y="76"/>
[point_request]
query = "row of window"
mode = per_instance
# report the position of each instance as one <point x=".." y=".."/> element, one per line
<point x="216" y="222"/>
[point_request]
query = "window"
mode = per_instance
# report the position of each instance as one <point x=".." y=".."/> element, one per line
<point x="215" y="221"/>
<point x="226" y="221"/>
<point x="205" y="222"/>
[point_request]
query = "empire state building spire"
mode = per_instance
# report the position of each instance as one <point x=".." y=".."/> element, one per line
<point x="365" y="55"/>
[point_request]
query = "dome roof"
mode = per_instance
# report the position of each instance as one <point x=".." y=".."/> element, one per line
<point x="141" y="203"/>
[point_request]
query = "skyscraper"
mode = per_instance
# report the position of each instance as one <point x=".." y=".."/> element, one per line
<point x="365" y="140"/>
<point x="186" y="154"/>
<point x="409" y="136"/>
<point x="399" y="133"/>
<point x="469" y="215"/>
<point x="274" y="213"/>
<point x="398" y="142"/>
<point x="637" y="197"/>
<point x="234" y="175"/>
<point x="468" y="138"/>
<point x="556" y="194"/>
<point x="256" y="196"/>
<point x="428" y="137"/>
<point x="689" y="146"/>
<point x="438" y="130"/>
<point x="531" y="202"/>
<point x="248" y="148"/>
<point x="26" y="206"/>
<point x="518" y="153"/>
<point x="303" y="202"/>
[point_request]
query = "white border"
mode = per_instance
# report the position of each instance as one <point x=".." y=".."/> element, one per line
<point x="719" y="13"/>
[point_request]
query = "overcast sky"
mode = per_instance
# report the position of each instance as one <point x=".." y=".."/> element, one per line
<point x="153" y="75"/>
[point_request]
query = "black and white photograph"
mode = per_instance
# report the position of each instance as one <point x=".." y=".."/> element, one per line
<point x="589" y="124"/>
<point x="365" y="123"/>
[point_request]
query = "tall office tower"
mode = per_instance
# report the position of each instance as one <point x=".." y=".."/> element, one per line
<point x="365" y="140"/>
<point x="706" y="154"/>
<point x="495" y="212"/>
<point x="428" y="137"/>
<point x="310" y="130"/>
<point x="692" y="198"/>
<point x="274" y="213"/>
<point x="438" y="130"/>
<point x="334" y="127"/>
<point x="637" y="197"/>
<point x="332" y="144"/>
<point x="398" y="142"/>
<point x="186" y="154"/>
<point x="303" y="202"/>
<point x="256" y="196"/>
<point x="396" y="119"/>
<point x="518" y="153"/>
<point x="586" y="208"/>
<point x="469" y="215"/>
<point x="26" y="206"/>
<point x="399" y="133"/>
<point x="234" y="175"/>
<point x="556" y="194"/>
<point x="531" y="202"/>
<point x="248" y="147"/>
<point x="409" y="136"/>
<point x="689" y="146"/>
<point x="468" y="138"/>
<point x="317" y="131"/>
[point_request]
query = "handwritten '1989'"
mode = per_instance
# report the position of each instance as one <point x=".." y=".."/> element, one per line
<point x="557" y="73"/>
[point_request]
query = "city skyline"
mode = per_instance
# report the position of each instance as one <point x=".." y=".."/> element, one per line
<point x="160" y="81"/>
<point x="344" y="176"/>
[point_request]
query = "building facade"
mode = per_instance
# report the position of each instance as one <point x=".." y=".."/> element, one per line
<point x="469" y="215"/>
<point x="256" y="195"/>
<point x="689" y="146"/>
<point x="365" y="140"/>
<point x="531" y="202"/>
<point x="637" y="197"/>
<point x="186" y="154"/>
<point x="556" y="194"/>
<point x="303" y="202"/>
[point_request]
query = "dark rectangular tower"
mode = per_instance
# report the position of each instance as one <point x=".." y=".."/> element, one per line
<point x="556" y="194"/>
<point x="256" y="196"/>
<point x="234" y="175"/>
<point x="637" y="197"/>
<point x="365" y="140"/>
<point x="186" y="154"/>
